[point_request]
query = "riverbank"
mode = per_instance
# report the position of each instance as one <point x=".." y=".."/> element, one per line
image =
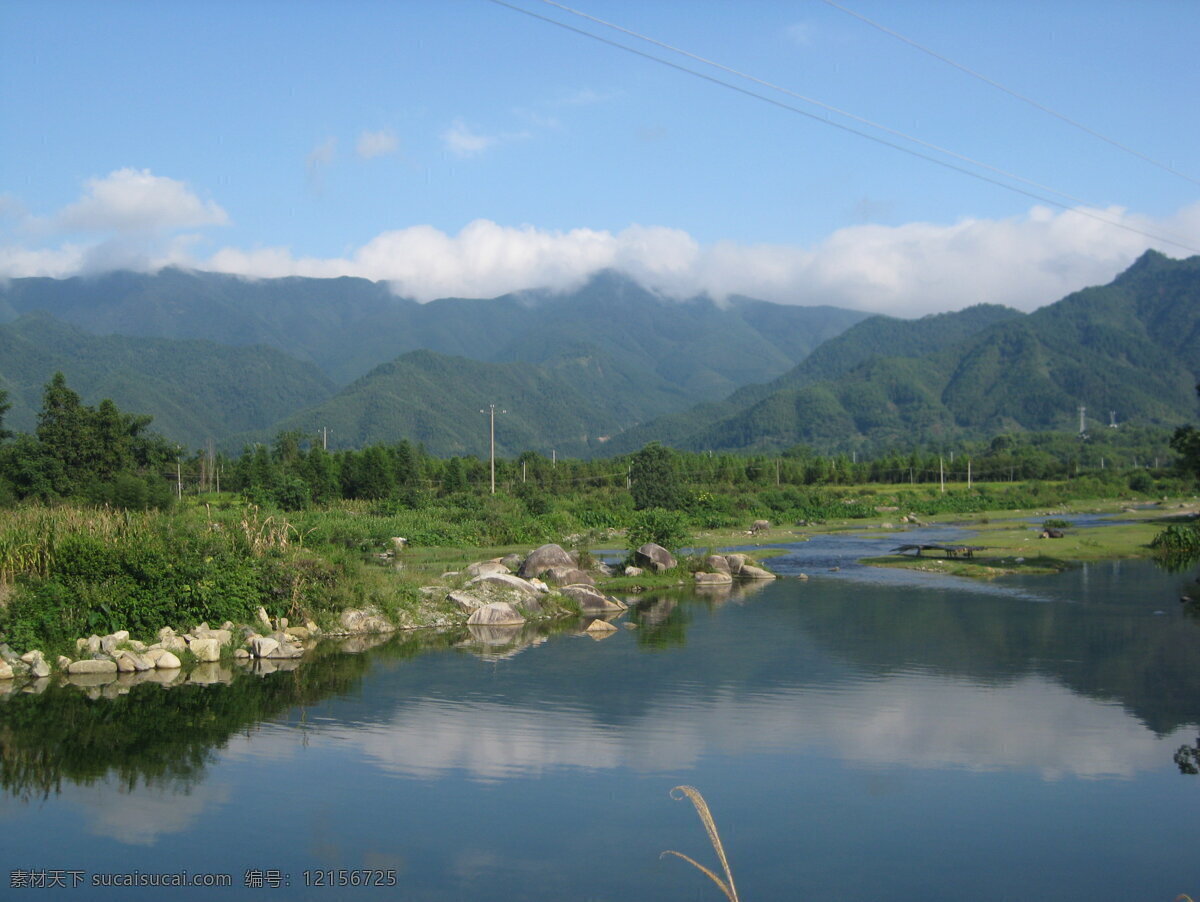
<point x="1048" y="541"/>
<point x="69" y="573"/>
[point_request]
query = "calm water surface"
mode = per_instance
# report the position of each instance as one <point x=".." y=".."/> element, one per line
<point x="863" y="735"/>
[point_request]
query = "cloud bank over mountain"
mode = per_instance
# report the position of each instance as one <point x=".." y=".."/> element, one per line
<point x="135" y="219"/>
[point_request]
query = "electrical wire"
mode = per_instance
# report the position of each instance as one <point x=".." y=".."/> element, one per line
<point x="1009" y="91"/>
<point x="1042" y="198"/>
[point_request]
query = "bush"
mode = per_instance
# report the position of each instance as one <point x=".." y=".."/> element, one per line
<point x="1178" y="538"/>
<point x="662" y="527"/>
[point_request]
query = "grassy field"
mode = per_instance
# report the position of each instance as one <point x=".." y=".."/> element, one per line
<point x="1011" y="544"/>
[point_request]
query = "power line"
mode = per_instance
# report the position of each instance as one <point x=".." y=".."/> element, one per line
<point x="838" y="125"/>
<point x="1009" y="91"/>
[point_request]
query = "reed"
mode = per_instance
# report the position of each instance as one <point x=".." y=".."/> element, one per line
<point x="726" y="886"/>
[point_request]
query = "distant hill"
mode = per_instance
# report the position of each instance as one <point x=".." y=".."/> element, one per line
<point x="349" y="326"/>
<point x="195" y="390"/>
<point x="873" y="337"/>
<point x="1132" y="347"/>
<point x="570" y="404"/>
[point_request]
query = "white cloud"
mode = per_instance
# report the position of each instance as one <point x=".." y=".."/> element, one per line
<point x="1032" y="725"/>
<point x="908" y="270"/>
<point x="377" y="144"/>
<point x="132" y="200"/>
<point x="462" y="141"/>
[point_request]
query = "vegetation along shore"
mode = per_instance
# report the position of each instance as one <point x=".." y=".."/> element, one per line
<point x="106" y="567"/>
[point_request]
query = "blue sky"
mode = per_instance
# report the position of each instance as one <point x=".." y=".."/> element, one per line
<point x="461" y="147"/>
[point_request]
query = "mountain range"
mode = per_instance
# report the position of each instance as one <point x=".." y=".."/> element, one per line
<point x="601" y="369"/>
<point x="1129" y="350"/>
<point x="572" y="367"/>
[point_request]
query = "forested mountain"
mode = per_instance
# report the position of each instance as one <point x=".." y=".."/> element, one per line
<point x="195" y="390"/>
<point x="875" y="336"/>
<point x="1131" y="347"/>
<point x="349" y="326"/>
<point x="569" y="405"/>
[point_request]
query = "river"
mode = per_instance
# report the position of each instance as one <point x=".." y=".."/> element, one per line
<point x="861" y="735"/>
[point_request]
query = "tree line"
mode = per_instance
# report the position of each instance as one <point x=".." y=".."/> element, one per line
<point x="105" y="456"/>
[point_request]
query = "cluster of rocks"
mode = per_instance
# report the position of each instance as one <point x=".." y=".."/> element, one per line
<point x="269" y="643"/>
<point x="723" y="569"/>
<point x="507" y="590"/>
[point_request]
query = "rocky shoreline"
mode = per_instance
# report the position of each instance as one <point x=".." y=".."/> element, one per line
<point x="493" y="598"/>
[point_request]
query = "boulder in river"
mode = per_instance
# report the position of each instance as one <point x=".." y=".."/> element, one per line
<point x="543" y="558"/>
<point x="655" y="557"/>
<point x="496" y="613"/>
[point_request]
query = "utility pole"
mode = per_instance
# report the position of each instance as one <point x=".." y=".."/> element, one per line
<point x="1082" y="423"/>
<point x="178" y="481"/>
<point x="942" y="473"/>
<point x="968" y="472"/>
<point x="553" y="459"/>
<point x="491" y="412"/>
<point x="324" y="438"/>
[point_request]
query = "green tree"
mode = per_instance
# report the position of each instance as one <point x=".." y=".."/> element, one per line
<point x="653" y="481"/>
<point x="1186" y="443"/>
<point x="67" y="433"/>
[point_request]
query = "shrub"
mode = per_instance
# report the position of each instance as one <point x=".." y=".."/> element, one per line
<point x="662" y="527"/>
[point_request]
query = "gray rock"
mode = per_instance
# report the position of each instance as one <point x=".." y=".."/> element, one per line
<point x="111" y="646"/>
<point x="167" y="661"/>
<point x="507" y="581"/>
<point x="263" y="646"/>
<point x="542" y="559"/>
<point x="736" y="562"/>
<point x="132" y="662"/>
<point x="591" y="600"/>
<point x="466" y="602"/>
<point x="750" y="572"/>
<point x="365" y="621"/>
<point x="655" y="557"/>
<point x="93" y="666"/>
<point x="6" y="671"/>
<point x="717" y="563"/>
<point x="175" y="644"/>
<point x="482" y="568"/>
<point x="496" y="613"/>
<point x="38" y="668"/>
<point x="223" y="637"/>
<point x="600" y="629"/>
<point x="568" y="576"/>
<point x="285" y="651"/>
<point x="512" y="561"/>
<point x="713" y="579"/>
<point x="634" y="571"/>
<point x="205" y="650"/>
<point x="63" y="662"/>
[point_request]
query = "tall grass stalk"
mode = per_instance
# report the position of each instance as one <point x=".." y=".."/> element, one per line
<point x="726" y="886"/>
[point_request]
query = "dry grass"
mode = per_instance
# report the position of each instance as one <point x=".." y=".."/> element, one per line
<point x="726" y="886"/>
